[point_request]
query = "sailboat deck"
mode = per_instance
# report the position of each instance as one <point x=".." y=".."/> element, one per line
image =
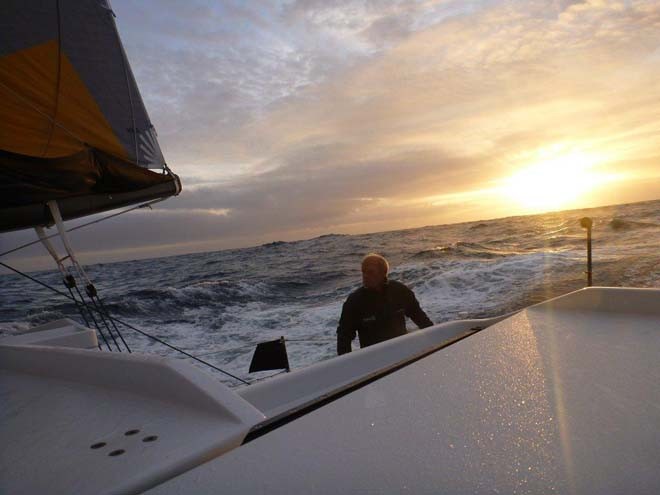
<point x="564" y="397"/>
<point x="80" y="421"/>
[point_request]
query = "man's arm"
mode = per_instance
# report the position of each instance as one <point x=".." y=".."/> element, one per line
<point x="416" y="314"/>
<point x="346" y="329"/>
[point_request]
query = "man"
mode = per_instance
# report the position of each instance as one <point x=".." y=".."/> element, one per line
<point x="377" y="311"/>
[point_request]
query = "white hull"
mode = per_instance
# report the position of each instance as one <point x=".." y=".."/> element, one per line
<point x="563" y="396"/>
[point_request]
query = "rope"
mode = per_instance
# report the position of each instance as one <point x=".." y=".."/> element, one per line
<point x="141" y="332"/>
<point x="80" y="309"/>
<point x="228" y="350"/>
<point x="91" y="315"/>
<point x="267" y="377"/>
<point x="68" y="280"/>
<point x="28" y="244"/>
<point x="89" y="286"/>
<point x="113" y="324"/>
<point x="252" y="344"/>
<point x="105" y="323"/>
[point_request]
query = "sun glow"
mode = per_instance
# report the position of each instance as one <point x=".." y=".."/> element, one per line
<point x="556" y="181"/>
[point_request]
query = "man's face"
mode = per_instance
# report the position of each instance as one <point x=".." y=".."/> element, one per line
<point x="373" y="275"/>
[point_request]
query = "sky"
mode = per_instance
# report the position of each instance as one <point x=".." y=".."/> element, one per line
<point x="292" y="119"/>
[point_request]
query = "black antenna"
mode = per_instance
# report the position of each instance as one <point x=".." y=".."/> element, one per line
<point x="587" y="223"/>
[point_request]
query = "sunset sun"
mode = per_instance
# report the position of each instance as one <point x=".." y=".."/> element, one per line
<point x="554" y="182"/>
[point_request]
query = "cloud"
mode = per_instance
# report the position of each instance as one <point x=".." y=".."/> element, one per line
<point x="205" y="70"/>
<point x="301" y="117"/>
<point x="470" y="82"/>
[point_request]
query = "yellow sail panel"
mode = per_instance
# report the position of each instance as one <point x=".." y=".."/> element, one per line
<point x="43" y="117"/>
<point x="24" y="127"/>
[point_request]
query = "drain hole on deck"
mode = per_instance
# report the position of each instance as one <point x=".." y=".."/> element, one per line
<point x="115" y="453"/>
<point x="131" y="432"/>
<point x="151" y="438"/>
<point x="97" y="445"/>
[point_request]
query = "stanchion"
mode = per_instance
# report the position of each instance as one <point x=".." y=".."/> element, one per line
<point x="587" y="223"/>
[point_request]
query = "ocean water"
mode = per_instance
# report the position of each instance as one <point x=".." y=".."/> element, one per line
<point x="218" y="305"/>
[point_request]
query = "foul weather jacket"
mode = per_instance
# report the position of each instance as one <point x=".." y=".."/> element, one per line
<point x="378" y="315"/>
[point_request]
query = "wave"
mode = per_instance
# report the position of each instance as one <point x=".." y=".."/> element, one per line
<point x="169" y="301"/>
<point x="566" y="241"/>
<point x="274" y="244"/>
<point x="328" y="236"/>
<point x="472" y="288"/>
<point x="621" y="224"/>
<point x="13" y="327"/>
<point x="462" y="249"/>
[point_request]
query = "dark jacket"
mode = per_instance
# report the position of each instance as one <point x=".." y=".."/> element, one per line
<point x="377" y="316"/>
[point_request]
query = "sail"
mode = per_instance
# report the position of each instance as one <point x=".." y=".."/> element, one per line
<point x="73" y="126"/>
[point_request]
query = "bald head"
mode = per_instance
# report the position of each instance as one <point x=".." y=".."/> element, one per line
<point x="374" y="271"/>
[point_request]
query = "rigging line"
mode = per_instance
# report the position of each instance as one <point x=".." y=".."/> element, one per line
<point x="80" y="310"/>
<point x="228" y="350"/>
<point x="177" y="349"/>
<point x="112" y="335"/>
<point x="96" y="325"/>
<point x="91" y="315"/>
<point x="129" y="326"/>
<point x="68" y="279"/>
<point x="96" y="301"/>
<point x="321" y="341"/>
<point x="89" y="287"/>
<point x="255" y="380"/>
<point x="267" y="377"/>
<point x="28" y="244"/>
<point x="59" y="76"/>
<point x="34" y="279"/>
<point x="113" y="324"/>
